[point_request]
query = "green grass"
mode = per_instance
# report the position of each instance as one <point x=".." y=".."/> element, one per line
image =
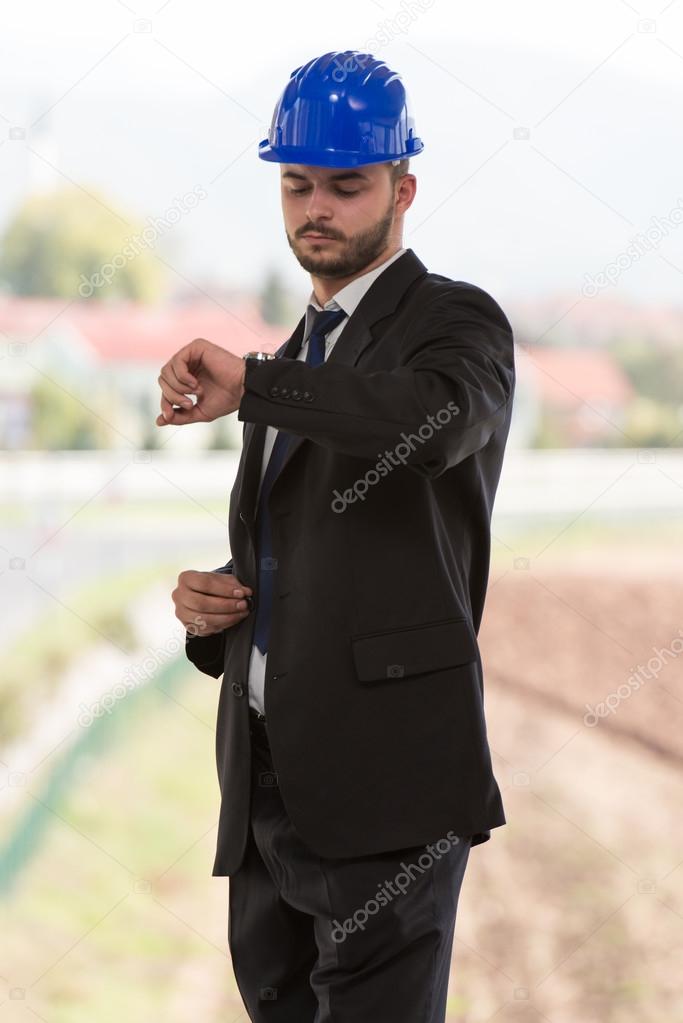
<point x="567" y="535"/>
<point x="43" y="652"/>
<point x="139" y="803"/>
<point x="15" y="515"/>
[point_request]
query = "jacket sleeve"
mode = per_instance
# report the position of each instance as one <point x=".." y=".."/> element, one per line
<point x="207" y="652"/>
<point x="448" y="393"/>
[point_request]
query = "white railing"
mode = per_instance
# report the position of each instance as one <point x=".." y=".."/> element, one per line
<point x="533" y="483"/>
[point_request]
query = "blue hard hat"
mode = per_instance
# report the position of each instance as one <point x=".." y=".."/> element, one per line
<point x="343" y="109"/>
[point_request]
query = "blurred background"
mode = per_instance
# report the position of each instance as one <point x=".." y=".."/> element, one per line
<point x="134" y="216"/>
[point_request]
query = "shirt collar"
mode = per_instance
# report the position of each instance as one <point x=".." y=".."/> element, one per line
<point x="348" y="297"/>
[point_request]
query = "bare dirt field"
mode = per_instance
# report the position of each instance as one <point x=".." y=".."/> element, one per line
<point x="573" y="912"/>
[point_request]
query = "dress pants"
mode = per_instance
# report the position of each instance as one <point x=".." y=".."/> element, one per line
<point x="338" y="940"/>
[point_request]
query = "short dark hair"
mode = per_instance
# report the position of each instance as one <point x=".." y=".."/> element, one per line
<point x="399" y="169"/>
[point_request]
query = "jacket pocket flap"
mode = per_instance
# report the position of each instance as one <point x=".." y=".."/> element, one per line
<point x="411" y="651"/>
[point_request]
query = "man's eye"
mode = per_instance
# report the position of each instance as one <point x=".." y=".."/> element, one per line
<point x="339" y="191"/>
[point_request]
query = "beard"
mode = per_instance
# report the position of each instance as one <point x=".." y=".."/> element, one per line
<point x="357" y="252"/>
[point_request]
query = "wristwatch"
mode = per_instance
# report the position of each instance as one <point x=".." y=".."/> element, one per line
<point x="258" y="356"/>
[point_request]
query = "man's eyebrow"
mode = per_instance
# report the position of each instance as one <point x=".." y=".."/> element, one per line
<point x="343" y="176"/>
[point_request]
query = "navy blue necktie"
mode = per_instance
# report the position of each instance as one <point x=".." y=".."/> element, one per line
<point x="325" y="321"/>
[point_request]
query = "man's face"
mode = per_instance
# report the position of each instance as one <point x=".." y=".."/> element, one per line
<point x="350" y="210"/>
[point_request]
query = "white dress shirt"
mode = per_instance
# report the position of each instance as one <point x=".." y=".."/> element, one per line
<point x="347" y="299"/>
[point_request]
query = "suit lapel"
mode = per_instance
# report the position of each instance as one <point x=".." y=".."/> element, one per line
<point x="380" y="300"/>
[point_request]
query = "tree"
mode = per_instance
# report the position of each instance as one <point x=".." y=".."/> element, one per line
<point x="273" y="300"/>
<point x="69" y="245"/>
<point x="62" y="423"/>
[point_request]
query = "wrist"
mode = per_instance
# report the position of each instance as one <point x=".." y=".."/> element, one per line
<point x="254" y="359"/>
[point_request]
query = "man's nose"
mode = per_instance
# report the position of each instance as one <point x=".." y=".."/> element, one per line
<point x="318" y="207"/>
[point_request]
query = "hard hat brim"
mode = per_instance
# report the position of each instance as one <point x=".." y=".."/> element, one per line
<point x="330" y="158"/>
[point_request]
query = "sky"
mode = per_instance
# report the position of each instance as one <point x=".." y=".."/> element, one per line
<point x="551" y="131"/>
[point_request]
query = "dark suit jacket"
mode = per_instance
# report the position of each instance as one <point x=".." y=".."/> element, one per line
<point x="380" y="520"/>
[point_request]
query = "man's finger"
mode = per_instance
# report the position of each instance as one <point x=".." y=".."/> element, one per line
<point x="169" y="374"/>
<point x="166" y="408"/>
<point x="169" y="413"/>
<point x="220" y="584"/>
<point x="174" y="396"/>
<point x="207" y="626"/>
<point x="180" y="364"/>
<point x="180" y="416"/>
<point x="204" y="603"/>
<point x="181" y="358"/>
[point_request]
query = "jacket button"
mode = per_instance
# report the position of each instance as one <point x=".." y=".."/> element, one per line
<point x="237" y="689"/>
<point x="296" y="395"/>
<point x="274" y="391"/>
<point x="284" y="392"/>
<point x="308" y="396"/>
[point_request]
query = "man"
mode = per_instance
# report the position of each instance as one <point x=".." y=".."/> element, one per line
<point x="351" y="742"/>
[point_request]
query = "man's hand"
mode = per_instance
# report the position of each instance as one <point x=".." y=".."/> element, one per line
<point x="213" y="374"/>
<point x="208" y="602"/>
